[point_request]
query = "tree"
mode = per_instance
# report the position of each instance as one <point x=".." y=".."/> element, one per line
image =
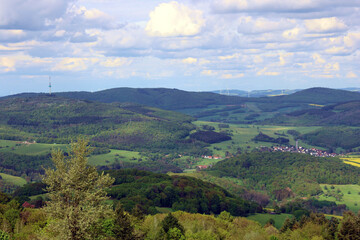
<point x="77" y="194"/>
<point x="171" y="229"/>
<point x="123" y="228"/>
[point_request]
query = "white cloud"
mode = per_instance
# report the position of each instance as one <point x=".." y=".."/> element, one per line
<point x="325" y="25"/>
<point x="174" y="19"/>
<point x="7" y="64"/>
<point x="190" y="60"/>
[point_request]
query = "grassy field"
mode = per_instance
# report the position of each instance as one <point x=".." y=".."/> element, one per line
<point x="264" y="218"/>
<point x="29" y="149"/>
<point x="351" y="195"/>
<point x="18" y="181"/>
<point x="242" y="135"/>
<point x="114" y="156"/>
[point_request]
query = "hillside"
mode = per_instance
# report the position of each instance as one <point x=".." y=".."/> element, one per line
<point x="121" y="126"/>
<point x="347" y="114"/>
<point x="148" y="191"/>
<point x="318" y="96"/>
<point x="284" y="175"/>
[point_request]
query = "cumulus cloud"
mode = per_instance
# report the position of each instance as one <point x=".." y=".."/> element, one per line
<point x="325" y="25"/>
<point x="174" y="19"/>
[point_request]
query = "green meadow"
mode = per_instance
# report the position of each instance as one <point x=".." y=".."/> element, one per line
<point x="30" y="148"/>
<point x="350" y="195"/>
<point x="264" y="218"/>
<point x="116" y="156"/>
<point x="18" y="181"/>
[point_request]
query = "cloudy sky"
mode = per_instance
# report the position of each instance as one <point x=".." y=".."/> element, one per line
<point x="186" y="44"/>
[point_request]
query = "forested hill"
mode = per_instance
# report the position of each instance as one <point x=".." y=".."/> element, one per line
<point x="285" y="174"/>
<point x="347" y="114"/>
<point x="171" y="99"/>
<point x="317" y="96"/>
<point x="122" y="126"/>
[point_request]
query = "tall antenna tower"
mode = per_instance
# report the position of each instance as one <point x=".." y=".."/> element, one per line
<point x="49" y="85"/>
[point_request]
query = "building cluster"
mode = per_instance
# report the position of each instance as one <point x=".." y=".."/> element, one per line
<point x="211" y="157"/>
<point x="311" y="151"/>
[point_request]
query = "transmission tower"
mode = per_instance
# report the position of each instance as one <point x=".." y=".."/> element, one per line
<point x="49" y="85"/>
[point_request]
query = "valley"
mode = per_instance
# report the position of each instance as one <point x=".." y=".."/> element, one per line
<point x="209" y="154"/>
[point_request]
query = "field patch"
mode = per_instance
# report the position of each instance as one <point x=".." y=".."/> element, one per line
<point x="115" y="156"/>
<point x="29" y="148"/>
<point x="18" y="181"/>
<point x="342" y="194"/>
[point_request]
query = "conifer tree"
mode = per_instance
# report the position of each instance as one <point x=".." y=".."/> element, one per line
<point x="77" y="194"/>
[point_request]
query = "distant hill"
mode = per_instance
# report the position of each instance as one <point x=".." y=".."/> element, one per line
<point x="128" y="126"/>
<point x="170" y="99"/>
<point x="347" y="114"/>
<point x="319" y="96"/>
<point x="216" y="107"/>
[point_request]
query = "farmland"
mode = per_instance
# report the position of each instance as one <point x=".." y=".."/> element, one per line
<point x="342" y="194"/>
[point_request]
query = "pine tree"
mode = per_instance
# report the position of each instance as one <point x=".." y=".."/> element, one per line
<point x="123" y="228"/>
<point x="77" y="194"/>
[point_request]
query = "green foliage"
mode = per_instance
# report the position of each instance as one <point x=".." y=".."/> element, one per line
<point x="210" y="136"/>
<point x="150" y="190"/>
<point x="284" y="174"/>
<point x="334" y="137"/>
<point x="123" y="228"/>
<point x="172" y="228"/>
<point x="77" y="194"/>
<point x="4" y="235"/>
<point x="350" y="227"/>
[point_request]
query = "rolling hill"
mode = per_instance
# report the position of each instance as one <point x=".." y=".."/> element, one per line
<point x="50" y="119"/>
<point x="346" y="114"/>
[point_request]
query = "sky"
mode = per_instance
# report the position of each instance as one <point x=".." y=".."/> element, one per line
<point x="194" y="45"/>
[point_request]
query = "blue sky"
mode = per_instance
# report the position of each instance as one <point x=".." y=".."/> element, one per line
<point x="191" y="44"/>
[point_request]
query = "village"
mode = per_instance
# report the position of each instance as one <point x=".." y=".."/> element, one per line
<point x="311" y="151"/>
